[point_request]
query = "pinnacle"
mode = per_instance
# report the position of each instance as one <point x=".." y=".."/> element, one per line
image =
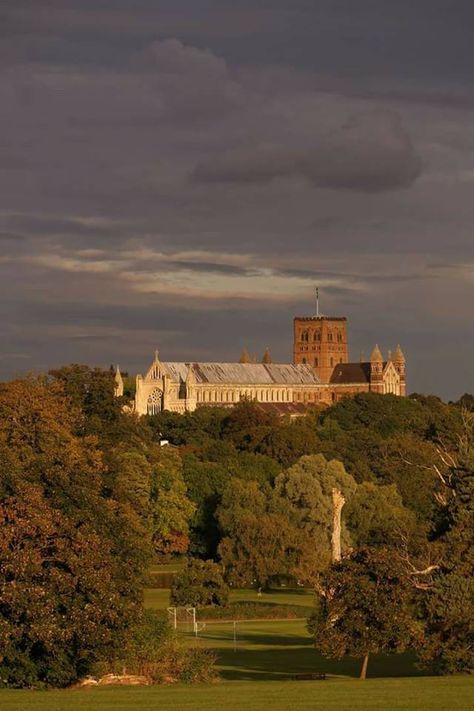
<point x="376" y="355"/>
<point x="398" y="354"/>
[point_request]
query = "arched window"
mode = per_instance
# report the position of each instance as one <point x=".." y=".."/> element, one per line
<point x="331" y="362"/>
<point x="317" y="336"/>
<point x="304" y="336"/>
<point x="330" y="337"/>
<point x="316" y="362"/>
<point x="304" y="361"/>
<point x="339" y="337"/>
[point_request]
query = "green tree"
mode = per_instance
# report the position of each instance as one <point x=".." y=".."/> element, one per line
<point x="308" y="488"/>
<point x="375" y="516"/>
<point x="448" y="603"/>
<point x="259" y="540"/>
<point x="366" y="608"/>
<point x="171" y="509"/>
<point x="198" y="584"/>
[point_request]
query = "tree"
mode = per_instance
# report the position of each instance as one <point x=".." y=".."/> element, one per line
<point x="448" y="603"/>
<point x="366" y="608"/>
<point x="207" y="471"/>
<point x="447" y="645"/>
<point x="288" y="441"/>
<point x="92" y="391"/>
<point x="198" y="584"/>
<point x="310" y="487"/>
<point x="259" y="540"/>
<point x="171" y="509"/>
<point x="375" y="516"/>
<point x="60" y="606"/>
<point x="48" y="461"/>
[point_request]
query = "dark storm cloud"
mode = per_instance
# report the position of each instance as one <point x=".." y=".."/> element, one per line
<point x="370" y="152"/>
<point x="108" y="249"/>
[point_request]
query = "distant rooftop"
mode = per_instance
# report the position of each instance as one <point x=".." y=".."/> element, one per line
<point x="345" y="373"/>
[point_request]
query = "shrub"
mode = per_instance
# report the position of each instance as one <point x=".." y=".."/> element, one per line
<point x="153" y="651"/>
<point x="200" y="583"/>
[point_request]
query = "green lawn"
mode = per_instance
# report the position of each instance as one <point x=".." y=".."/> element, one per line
<point x="257" y="676"/>
<point x="158" y="598"/>
<point x="416" y="694"/>
<point x="274" y="650"/>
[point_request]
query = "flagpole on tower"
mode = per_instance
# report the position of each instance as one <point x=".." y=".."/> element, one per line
<point x="317" y="302"/>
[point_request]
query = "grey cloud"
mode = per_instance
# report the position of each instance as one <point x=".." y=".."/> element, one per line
<point x="107" y="109"/>
<point x="371" y="152"/>
<point x="187" y="79"/>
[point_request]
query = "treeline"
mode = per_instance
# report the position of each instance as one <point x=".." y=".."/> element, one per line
<point x="86" y="499"/>
<point x="89" y="497"/>
<point x="264" y="491"/>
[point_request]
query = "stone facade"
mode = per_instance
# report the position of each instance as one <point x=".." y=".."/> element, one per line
<point x="320" y="374"/>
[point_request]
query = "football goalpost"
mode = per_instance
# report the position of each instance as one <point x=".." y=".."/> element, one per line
<point x="186" y="617"/>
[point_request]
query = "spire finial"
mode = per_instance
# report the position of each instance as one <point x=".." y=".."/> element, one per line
<point x="317" y="302"/>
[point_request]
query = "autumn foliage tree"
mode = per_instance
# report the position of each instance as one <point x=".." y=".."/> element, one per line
<point x="72" y="559"/>
<point x="60" y="607"/>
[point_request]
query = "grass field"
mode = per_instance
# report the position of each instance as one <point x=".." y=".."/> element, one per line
<point x="158" y="598"/>
<point x="415" y="694"/>
<point x="256" y="674"/>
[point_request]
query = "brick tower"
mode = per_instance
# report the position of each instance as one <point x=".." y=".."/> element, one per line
<point x="320" y="341"/>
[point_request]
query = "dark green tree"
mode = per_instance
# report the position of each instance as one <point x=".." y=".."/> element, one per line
<point x="448" y="604"/>
<point x="366" y="608"/>
<point x="259" y="540"/>
<point x="198" y="584"/>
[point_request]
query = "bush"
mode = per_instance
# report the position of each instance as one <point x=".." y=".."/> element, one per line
<point x="199" y="584"/>
<point x="154" y="652"/>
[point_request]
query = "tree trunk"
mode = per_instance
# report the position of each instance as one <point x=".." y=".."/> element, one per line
<point x="338" y="502"/>
<point x="365" y="663"/>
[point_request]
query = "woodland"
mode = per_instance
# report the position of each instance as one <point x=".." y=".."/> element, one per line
<point x="369" y="503"/>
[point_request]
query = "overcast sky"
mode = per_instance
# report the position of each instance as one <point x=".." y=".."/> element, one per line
<point x="179" y="174"/>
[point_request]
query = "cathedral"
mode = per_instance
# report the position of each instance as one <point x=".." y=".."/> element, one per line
<point x="319" y="374"/>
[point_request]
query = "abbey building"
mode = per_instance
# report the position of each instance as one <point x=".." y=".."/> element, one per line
<point x="320" y="373"/>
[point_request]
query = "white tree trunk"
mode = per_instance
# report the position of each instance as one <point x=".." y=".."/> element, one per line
<point x="338" y="502"/>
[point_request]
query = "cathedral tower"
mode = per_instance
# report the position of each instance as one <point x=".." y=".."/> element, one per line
<point x="320" y="341"/>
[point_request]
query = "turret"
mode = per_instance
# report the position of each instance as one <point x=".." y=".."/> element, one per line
<point x="376" y="370"/>
<point x="118" y="389"/>
<point x="399" y="362"/>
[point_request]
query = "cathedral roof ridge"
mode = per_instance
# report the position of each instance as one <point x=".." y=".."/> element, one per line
<point x="244" y="373"/>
